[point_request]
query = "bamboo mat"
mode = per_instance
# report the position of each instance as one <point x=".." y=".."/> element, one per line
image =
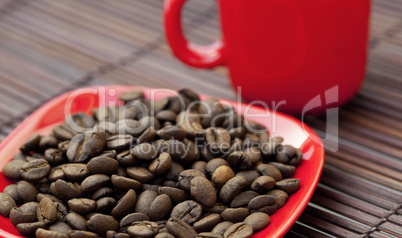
<point x="48" y="47"/>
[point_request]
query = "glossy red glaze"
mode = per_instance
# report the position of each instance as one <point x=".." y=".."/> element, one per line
<point x="84" y="100"/>
<point x="283" y="50"/>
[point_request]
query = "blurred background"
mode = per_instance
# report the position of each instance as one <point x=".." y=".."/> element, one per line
<point x="49" y="47"/>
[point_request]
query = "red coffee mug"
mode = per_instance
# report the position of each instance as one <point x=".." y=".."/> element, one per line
<point x="284" y="52"/>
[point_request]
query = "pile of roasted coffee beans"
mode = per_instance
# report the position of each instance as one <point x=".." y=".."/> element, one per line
<point x="176" y="167"/>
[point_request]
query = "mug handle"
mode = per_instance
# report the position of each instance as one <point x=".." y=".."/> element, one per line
<point x="192" y="54"/>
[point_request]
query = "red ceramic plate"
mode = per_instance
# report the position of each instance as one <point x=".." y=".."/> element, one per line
<point x="83" y="100"/>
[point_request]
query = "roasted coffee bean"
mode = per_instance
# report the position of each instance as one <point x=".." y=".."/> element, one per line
<point x="144" y="201"/>
<point x="249" y="175"/>
<point x="28" y="229"/>
<point x="279" y="195"/>
<point x="208" y="235"/>
<point x="42" y="233"/>
<point x="144" y="151"/>
<point x="110" y="113"/>
<point x="164" y="235"/>
<point x="65" y="190"/>
<point x="30" y="144"/>
<point x="124" y="183"/>
<point x="119" y="142"/>
<point x="161" y="165"/>
<point x="239" y="230"/>
<point x="75" y="172"/>
<point x="188" y="211"/>
<point x="190" y="94"/>
<point x="221" y="227"/>
<point x="240" y="160"/>
<point x="26" y="213"/>
<point x="82" y="205"/>
<point x="100" y="224"/>
<point x="63" y="146"/>
<point x="254" y="154"/>
<point x="170" y="183"/>
<point x="174" y="172"/>
<point x="287" y="171"/>
<point x="43" y="186"/>
<point x="237" y="132"/>
<point x="262" y="184"/>
<point x="35" y="170"/>
<point x="217" y="208"/>
<point x="84" y="146"/>
<point x="261" y="201"/>
<point x="214" y="164"/>
<point x="6" y="204"/>
<point x="109" y="153"/>
<point x="102" y="192"/>
<point x="297" y="158"/>
<point x="211" y="108"/>
<point x="27" y="191"/>
<point x="130" y="218"/>
<point x="40" y="196"/>
<point x="143" y="175"/>
<point x="60" y="227"/>
<point x="47" y="211"/>
<point x="54" y="156"/>
<point x="288" y="185"/>
<point x="200" y="166"/>
<point x="268" y="149"/>
<point x="180" y="229"/>
<point x="221" y="175"/>
<point x="126" y="159"/>
<point x="176" y="195"/>
<point x="207" y="223"/>
<point x="63" y="132"/>
<point x="285" y="153"/>
<point x="102" y="165"/>
<point x="93" y="182"/>
<point x="12" y="169"/>
<point x="47" y="142"/>
<point x="160" y="207"/>
<point x="105" y="204"/>
<point x="148" y="121"/>
<point x="172" y="132"/>
<point x="180" y="152"/>
<point x="235" y="214"/>
<point x="257" y="220"/>
<point x="143" y="229"/>
<point x="237" y="145"/>
<point x="62" y="211"/>
<point x="114" y="234"/>
<point x="147" y="136"/>
<point x="76" y="221"/>
<point x="125" y="204"/>
<point x="12" y="191"/>
<point x="131" y="96"/>
<point x="80" y="121"/>
<point x="243" y="198"/>
<point x="166" y="115"/>
<point x="269" y="170"/>
<point x="81" y="234"/>
<point x="232" y="188"/>
<point x="203" y="191"/>
<point x="218" y="139"/>
<point x="186" y="176"/>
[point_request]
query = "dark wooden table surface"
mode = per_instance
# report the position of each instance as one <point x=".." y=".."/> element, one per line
<point x="48" y="47"/>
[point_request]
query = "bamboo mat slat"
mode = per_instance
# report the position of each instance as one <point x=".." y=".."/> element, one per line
<point x="49" y="47"/>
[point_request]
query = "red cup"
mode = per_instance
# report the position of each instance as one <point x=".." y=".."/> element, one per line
<point x="285" y="53"/>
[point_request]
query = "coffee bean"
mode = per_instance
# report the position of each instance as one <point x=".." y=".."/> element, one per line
<point x="63" y="132"/>
<point x="40" y="196"/>
<point x="214" y="164"/>
<point x="60" y="227"/>
<point x="54" y="156"/>
<point x="175" y="194"/>
<point x="188" y="211"/>
<point x="144" y="151"/>
<point x="269" y="170"/>
<point x="102" y="192"/>
<point x="262" y="184"/>
<point x="123" y="183"/>
<point x="217" y="208"/>
<point x="30" y="144"/>
<point x="35" y="170"/>
<point x="147" y="136"/>
<point x="43" y="186"/>
<point x="279" y="195"/>
<point x="63" y="146"/>
<point x="109" y="153"/>
<point x="42" y="233"/>
<point x="211" y="109"/>
<point x="288" y="185"/>
<point x="12" y="169"/>
<point x="172" y="132"/>
<point x="221" y="227"/>
<point x="143" y="229"/>
<point x="80" y="120"/>
<point x="200" y="166"/>
<point x="82" y="205"/>
<point x="239" y="230"/>
<point x="186" y="176"/>
<point x="144" y="201"/>
<point x="164" y="235"/>
<point x="218" y="139"/>
<point x="161" y="165"/>
<point x="75" y="172"/>
<point x="105" y="205"/>
<point x="26" y="213"/>
<point x="110" y="113"/>
<point x="237" y="132"/>
<point x="119" y="142"/>
<point x="203" y="191"/>
<point x="285" y="154"/>
<point x="254" y="154"/>
<point x="147" y="122"/>
<point x="257" y="220"/>
<point x="287" y="171"/>
<point x="6" y="204"/>
<point x="114" y="234"/>
<point x="126" y="159"/>
<point x="83" y="146"/>
<point x="235" y="214"/>
<point x="208" y="235"/>
<point x="174" y="172"/>
<point x="166" y="115"/>
<point x="179" y="151"/>
<point x="180" y="229"/>
<point x="160" y="207"/>
<point x="56" y="173"/>
<point x="243" y="198"/>
<point x="232" y="188"/>
<point x="81" y="234"/>
<point x="65" y="190"/>
<point x="249" y="175"/>
<point x="131" y="96"/>
<point x="207" y="223"/>
<point x="190" y="94"/>
<point x="102" y="165"/>
<point x="76" y="221"/>
<point x="100" y="224"/>
<point x="11" y="190"/>
<point x="268" y="149"/>
<point x="93" y="182"/>
<point x="27" y="191"/>
<point x="62" y="211"/>
<point x="125" y="204"/>
<point x="261" y="201"/>
<point x="295" y="160"/>
<point x="130" y="218"/>
<point x="221" y="175"/>
<point x="28" y="229"/>
<point x="240" y="160"/>
<point x="47" y="212"/>
<point x="47" y="142"/>
<point x="143" y="175"/>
